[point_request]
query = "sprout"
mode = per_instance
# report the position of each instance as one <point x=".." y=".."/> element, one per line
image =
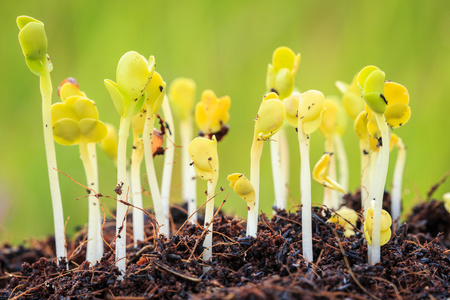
<point x="182" y="97"/>
<point x="320" y="173"/>
<point x="268" y="121"/>
<point x="280" y="79"/>
<point x="33" y="40"/>
<point x="385" y="226"/>
<point x="386" y="106"/>
<point x="128" y="94"/>
<point x="310" y="111"/>
<point x="446" y="198"/>
<point x="396" y="194"/>
<point x="211" y="115"/>
<point x="203" y="153"/>
<point x="109" y="143"/>
<point x="75" y="121"/>
<point x="347" y="218"/>
<point x="244" y="189"/>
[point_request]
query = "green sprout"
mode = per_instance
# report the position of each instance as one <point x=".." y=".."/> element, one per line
<point x="387" y="108"/>
<point x="268" y="121"/>
<point x="310" y="112"/>
<point x="280" y="79"/>
<point x="33" y="40"/>
<point x="182" y="98"/>
<point x="244" y="189"/>
<point x="203" y="153"/>
<point x="133" y="75"/>
<point x="75" y="121"/>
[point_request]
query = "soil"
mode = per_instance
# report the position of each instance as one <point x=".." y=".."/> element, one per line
<point x="415" y="264"/>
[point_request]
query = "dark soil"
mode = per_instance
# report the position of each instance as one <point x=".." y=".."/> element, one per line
<point x="415" y="264"/>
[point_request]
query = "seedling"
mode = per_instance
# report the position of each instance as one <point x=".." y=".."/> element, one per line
<point x="347" y="218"/>
<point x="128" y="94"/>
<point x="396" y="193"/>
<point x="211" y="115"/>
<point x="385" y="227"/>
<point x="280" y="79"/>
<point x="383" y="110"/>
<point x="75" y="121"/>
<point x="203" y="153"/>
<point x="182" y="98"/>
<point x="268" y="121"/>
<point x="33" y="40"/>
<point x="320" y="173"/>
<point x="310" y="112"/>
<point x="244" y="189"/>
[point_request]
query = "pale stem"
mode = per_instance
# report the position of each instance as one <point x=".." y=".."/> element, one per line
<point x="92" y="253"/>
<point x="380" y="181"/>
<point x="151" y="174"/>
<point x="305" y="194"/>
<point x="365" y="173"/>
<point x="373" y="158"/>
<point x="330" y="196"/>
<point x="255" y="157"/>
<point x="168" y="164"/>
<point x="396" y="195"/>
<point x="92" y="148"/>
<point x="122" y="187"/>
<point x="284" y="151"/>
<point x="252" y="221"/>
<point x="188" y="175"/>
<point x="341" y="156"/>
<point x="277" y="172"/>
<point x="209" y="215"/>
<point x="136" y="195"/>
<point x="58" y="216"/>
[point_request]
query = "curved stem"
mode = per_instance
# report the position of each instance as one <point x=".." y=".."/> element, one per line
<point x="94" y="234"/>
<point x="379" y="184"/>
<point x="136" y="192"/>
<point x="255" y="157"/>
<point x="396" y="195"/>
<point x="168" y="163"/>
<point x="122" y="194"/>
<point x="305" y="194"/>
<point x="58" y="216"/>
<point x="151" y="174"/>
<point x="341" y="156"/>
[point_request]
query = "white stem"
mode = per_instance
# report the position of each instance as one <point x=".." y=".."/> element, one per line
<point x="136" y="194"/>
<point x="58" y="216"/>
<point x="365" y="173"/>
<point x="305" y="194"/>
<point x="373" y="158"/>
<point x="92" y="254"/>
<point x="168" y="163"/>
<point x="341" y="156"/>
<point x="284" y="151"/>
<point x="330" y="196"/>
<point x="255" y="157"/>
<point x="92" y="148"/>
<point x="396" y="195"/>
<point x="277" y="173"/>
<point x="380" y="181"/>
<point x="151" y="174"/>
<point x="252" y="220"/>
<point x="209" y="218"/>
<point x="122" y="186"/>
<point x="188" y="175"/>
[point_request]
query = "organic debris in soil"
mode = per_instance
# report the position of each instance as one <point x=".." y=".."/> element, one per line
<point x="267" y="267"/>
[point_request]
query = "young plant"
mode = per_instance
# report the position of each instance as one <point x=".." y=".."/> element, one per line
<point x="75" y="121"/>
<point x="320" y="174"/>
<point x="268" y="121"/>
<point x="280" y="79"/>
<point x="155" y="95"/>
<point x="385" y="227"/>
<point x="211" y="115"/>
<point x="203" y="153"/>
<point x="244" y="189"/>
<point x="310" y="112"/>
<point x="133" y="75"/>
<point x="347" y="218"/>
<point x="396" y="193"/>
<point x="33" y="40"/>
<point x="386" y="106"/>
<point x="182" y="98"/>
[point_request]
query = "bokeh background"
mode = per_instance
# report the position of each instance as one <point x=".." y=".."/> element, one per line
<point x="224" y="46"/>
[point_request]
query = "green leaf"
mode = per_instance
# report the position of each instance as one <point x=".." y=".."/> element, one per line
<point x="117" y="97"/>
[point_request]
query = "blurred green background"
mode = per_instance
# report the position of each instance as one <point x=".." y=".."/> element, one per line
<point x="224" y="46"/>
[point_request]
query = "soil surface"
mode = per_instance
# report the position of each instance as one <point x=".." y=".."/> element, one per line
<point x="415" y="264"/>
